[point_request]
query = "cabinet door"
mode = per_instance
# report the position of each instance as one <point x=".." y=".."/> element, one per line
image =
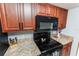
<point x="64" y="17"/>
<point x="9" y="15"/>
<point x="41" y="9"/>
<point x="69" y="48"/>
<point x="53" y="11"/>
<point x="48" y="8"/>
<point x="59" y="15"/>
<point x="27" y="16"/>
<point x="34" y="13"/>
<point x="66" y="49"/>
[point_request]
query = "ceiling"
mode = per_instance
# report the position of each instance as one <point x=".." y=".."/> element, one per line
<point x="66" y="5"/>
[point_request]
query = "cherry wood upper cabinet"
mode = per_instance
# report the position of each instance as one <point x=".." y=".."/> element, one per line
<point x="41" y="9"/>
<point x="0" y="14"/>
<point x="34" y="13"/>
<point x="27" y="16"/>
<point x="53" y="11"/>
<point x="20" y="16"/>
<point x="9" y="17"/>
<point x="48" y="8"/>
<point x="59" y="16"/>
<point x="64" y="17"/>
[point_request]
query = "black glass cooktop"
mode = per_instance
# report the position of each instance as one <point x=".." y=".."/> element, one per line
<point x="52" y="45"/>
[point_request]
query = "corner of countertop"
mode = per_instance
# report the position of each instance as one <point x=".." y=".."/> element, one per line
<point x="64" y="39"/>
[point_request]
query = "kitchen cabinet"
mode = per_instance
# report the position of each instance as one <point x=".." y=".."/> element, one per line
<point x="28" y="22"/>
<point x="16" y="17"/>
<point x="41" y="9"/>
<point x="9" y="17"/>
<point x="59" y="16"/>
<point x="48" y="8"/>
<point x="62" y="17"/>
<point x="34" y="13"/>
<point x="53" y="11"/>
<point x="66" y="49"/>
<point x="45" y="9"/>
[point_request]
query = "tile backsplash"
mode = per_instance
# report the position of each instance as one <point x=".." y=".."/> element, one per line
<point x="23" y="35"/>
<point x="20" y="35"/>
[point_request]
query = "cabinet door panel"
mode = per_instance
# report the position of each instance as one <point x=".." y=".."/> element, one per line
<point x="66" y="49"/>
<point x="59" y="15"/>
<point x="64" y="53"/>
<point x="9" y="17"/>
<point x="64" y="18"/>
<point x="48" y="8"/>
<point x="41" y="9"/>
<point x="12" y="15"/>
<point x="27" y="16"/>
<point x="53" y="11"/>
<point x="34" y="13"/>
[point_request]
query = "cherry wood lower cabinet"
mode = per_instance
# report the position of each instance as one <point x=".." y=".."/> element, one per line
<point x="66" y="49"/>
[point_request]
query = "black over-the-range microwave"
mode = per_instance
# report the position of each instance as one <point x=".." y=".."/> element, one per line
<point x="46" y="23"/>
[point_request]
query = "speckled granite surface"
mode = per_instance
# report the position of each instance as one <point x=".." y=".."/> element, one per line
<point x="25" y="47"/>
<point x="64" y="39"/>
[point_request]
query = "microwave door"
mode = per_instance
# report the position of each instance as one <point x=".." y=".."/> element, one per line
<point x="46" y="25"/>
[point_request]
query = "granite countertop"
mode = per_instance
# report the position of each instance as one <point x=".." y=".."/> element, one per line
<point x="25" y="47"/>
<point x="63" y="39"/>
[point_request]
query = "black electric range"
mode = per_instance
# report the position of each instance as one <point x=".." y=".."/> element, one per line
<point x="47" y="45"/>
